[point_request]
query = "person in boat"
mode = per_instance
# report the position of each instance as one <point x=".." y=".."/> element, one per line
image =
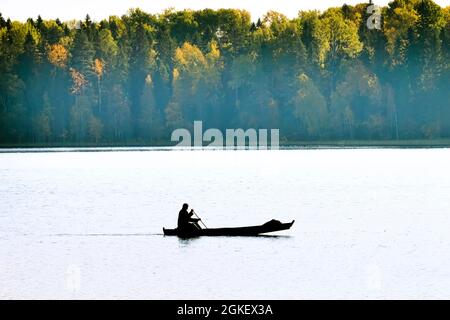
<point x="185" y="221"/>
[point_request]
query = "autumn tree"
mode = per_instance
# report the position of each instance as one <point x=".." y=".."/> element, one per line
<point x="318" y="76"/>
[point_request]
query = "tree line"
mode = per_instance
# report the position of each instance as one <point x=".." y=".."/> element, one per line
<point x="321" y="76"/>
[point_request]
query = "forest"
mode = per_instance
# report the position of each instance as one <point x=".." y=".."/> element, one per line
<point x="322" y="76"/>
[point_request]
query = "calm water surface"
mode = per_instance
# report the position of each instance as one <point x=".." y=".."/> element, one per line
<point x="370" y="223"/>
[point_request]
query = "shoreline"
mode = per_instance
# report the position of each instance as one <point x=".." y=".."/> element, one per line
<point x="164" y="146"/>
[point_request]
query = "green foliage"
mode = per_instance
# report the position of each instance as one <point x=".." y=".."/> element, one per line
<point x="319" y="76"/>
<point x="310" y="108"/>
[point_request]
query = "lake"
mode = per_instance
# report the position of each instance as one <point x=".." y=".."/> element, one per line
<point x="370" y="224"/>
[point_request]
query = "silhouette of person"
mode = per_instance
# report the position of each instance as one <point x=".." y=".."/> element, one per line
<point x="185" y="221"/>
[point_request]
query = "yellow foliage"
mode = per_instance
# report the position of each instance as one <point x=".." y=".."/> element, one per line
<point x="398" y="25"/>
<point x="98" y="67"/>
<point x="189" y="56"/>
<point x="57" y="55"/>
<point x="214" y="52"/>
<point x="176" y="74"/>
<point x="78" y="81"/>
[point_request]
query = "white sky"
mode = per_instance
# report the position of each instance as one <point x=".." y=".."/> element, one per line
<point x="99" y="9"/>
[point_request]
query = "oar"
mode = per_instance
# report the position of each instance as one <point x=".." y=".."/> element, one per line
<point x="200" y="219"/>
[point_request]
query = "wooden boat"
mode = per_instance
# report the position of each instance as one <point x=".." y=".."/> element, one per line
<point x="271" y="226"/>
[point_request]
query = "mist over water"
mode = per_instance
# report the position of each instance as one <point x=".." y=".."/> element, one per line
<point x="370" y="223"/>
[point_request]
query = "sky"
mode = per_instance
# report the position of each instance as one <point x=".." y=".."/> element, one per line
<point x="100" y="9"/>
